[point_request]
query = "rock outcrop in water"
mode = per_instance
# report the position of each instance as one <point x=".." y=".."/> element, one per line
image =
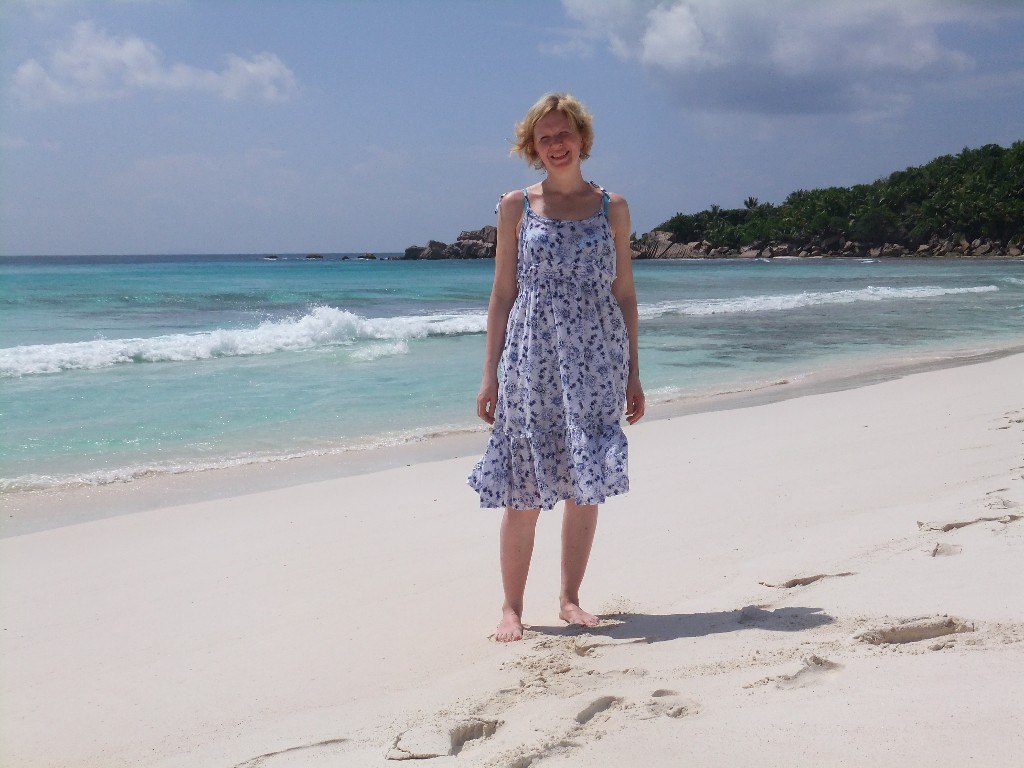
<point x="471" y="244"/>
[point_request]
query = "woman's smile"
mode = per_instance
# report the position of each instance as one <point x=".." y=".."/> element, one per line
<point x="557" y="140"/>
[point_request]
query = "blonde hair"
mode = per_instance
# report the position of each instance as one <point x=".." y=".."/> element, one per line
<point x="569" y="106"/>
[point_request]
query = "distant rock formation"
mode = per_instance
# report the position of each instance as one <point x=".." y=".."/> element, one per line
<point x="480" y="244"/>
<point x="659" y="245"/>
<point x="471" y="244"/>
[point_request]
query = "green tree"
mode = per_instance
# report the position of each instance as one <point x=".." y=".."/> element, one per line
<point x="976" y="193"/>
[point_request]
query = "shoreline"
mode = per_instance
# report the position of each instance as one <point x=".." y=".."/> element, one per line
<point x="28" y="511"/>
<point x="385" y="256"/>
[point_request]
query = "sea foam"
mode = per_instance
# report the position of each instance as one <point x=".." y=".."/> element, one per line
<point x="327" y="326"/>
<point x="799" y="300"/>
<point x="130" y="472"/>
<point x="322" y="326"/>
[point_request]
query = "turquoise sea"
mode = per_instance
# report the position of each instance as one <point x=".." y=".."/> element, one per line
<point x="112" y="368"/>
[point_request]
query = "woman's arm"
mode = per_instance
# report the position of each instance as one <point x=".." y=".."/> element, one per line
<point x="625" y="293"/>
<point x="503" y="296"/>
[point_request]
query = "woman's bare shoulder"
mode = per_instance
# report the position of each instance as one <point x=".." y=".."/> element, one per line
<point x="618" y="211"/>
<point x="615" y="200"/>
<point x="510" y="202"/>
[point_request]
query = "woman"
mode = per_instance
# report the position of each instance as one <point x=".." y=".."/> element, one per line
<point x="562" y="317"/>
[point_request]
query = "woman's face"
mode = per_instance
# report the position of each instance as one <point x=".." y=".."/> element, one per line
<point x="557" y="142"/>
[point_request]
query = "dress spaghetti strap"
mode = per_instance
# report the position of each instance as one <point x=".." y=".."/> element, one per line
<point x="605" y="198"/>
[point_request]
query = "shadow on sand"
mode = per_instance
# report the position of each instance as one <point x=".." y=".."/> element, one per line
<point x="656" y="628"/>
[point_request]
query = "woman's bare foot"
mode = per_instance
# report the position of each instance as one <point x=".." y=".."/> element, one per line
<point x="510" y="628"/>
<point x="573" y="614"/>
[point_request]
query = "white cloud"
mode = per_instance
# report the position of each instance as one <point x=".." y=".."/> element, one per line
<point x="95" y="66"/>
<point x="621" y="22"/>
<point x="779" y="57"/>
<point x="674" y="40"/>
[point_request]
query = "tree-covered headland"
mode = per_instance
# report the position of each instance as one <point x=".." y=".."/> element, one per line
<point x="942" y="207"/>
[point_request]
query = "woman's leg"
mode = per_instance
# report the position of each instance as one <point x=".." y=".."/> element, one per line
<point x="517" y="532"/>
<point x="579" y="523"/>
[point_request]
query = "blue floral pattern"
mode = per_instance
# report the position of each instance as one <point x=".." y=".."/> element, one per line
<point x="562" y="389"/>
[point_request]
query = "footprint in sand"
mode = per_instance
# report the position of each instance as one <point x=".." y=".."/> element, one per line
<point x="587" y="646"/>
<point x="596" y="707"/>
<point x="320" y="753"/>
<point x="814" y="668"/>
<point x="668" y="703"/>
<point x="1000" y="503"/>
<point x="915" y="630"/>
<point x="1012" y="417"/>
<point x="566" y="742"/>
<point x="803" y="581"/>
<point x="433" y="740"/>
<point x="954" y="525"/>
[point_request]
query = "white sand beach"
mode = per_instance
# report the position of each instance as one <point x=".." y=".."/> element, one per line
<point x="828" y="580"/>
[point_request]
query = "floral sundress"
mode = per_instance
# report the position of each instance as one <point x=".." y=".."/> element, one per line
<point x="562" y="388"/>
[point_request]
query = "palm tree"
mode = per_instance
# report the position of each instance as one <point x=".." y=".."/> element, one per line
<point x="750" y="203"/>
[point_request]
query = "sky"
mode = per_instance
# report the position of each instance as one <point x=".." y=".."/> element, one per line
<point x="167" y="126"/>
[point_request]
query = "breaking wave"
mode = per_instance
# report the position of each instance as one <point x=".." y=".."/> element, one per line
<point x="326" y="326"/>
<point x="323" y="326"/>
<point x="800" y="300"/>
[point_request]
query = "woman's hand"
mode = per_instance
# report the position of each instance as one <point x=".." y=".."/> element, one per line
<point x="635" y="400"/>
<point x="487" y="400"/>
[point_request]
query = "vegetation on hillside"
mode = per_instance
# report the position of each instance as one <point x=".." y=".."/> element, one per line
<point x="978" y="193"/>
